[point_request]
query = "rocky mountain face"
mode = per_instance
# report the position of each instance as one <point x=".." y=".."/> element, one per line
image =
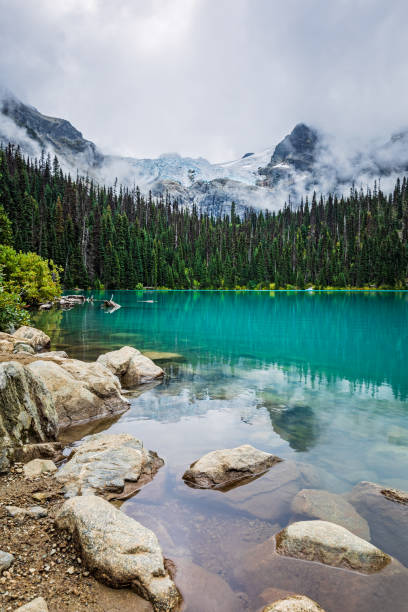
<point x="296" y="153"/>
<point x="33" y="130"/>
<point x="303" y="162"/>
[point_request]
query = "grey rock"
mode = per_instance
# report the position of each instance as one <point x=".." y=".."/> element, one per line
<point x="18" y="513"/>
<point x="27" y="411"/>
<point x="119" y="550"/>
<point x="296" y="603"/>
<point x="227" y="466"/>
<point x="108" y="464"/>
<point x="36" y="467"/>
<point x="6" y="560"/>
<point x="319" y="504"/>
<point x="37" y="512"/>
<point x="130" y="366"/>
<point x="37" y="338"/>
<point x="23" y="347"/>
<point x="336" y="590"/>
<point x="330" y="544"/>
<point x="81" y="391"/>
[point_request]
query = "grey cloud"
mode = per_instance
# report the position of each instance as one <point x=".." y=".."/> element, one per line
<point x="205" y="77"/>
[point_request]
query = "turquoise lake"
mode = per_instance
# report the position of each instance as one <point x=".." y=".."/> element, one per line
<point x="320" y="379"/>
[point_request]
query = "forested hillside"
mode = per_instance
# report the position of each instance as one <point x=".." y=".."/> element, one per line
<point x="117" y="238"/>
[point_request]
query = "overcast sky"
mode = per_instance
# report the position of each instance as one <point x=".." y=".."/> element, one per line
<point x="215" y="78"/>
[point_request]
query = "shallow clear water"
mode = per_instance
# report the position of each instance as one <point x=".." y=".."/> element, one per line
<point x="320" y="379"/>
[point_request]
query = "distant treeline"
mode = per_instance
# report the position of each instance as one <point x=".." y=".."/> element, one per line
<point x="117" y="238"/>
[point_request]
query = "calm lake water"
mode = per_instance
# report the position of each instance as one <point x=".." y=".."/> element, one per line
<point x="320" y="379"/>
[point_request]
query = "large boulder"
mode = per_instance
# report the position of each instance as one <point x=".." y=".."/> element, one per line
<point x="296" y="603"/>
<point x="81" y="391"/>
<point x="224" y="467"/>
<point x="386" y="511"/>
<point x="319" y="504"/>
<point x="131" y="367"/>
<point x="330" y="544"/>
<point x="27" y="411"/>
<point x="118" y="549"/>
<point x="37" y="338"/>
<point x="114" y="465"/>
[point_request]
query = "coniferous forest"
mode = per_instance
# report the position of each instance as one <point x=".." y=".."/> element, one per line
<point x="112" y="237"/>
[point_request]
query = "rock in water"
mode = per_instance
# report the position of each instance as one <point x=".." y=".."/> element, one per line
<point x="82" y="391"/>
<point x="36" y="605"/>
<point x="27" y="411"/>
<point x="319" y="504"/>
<point x="36" y="337"/>
<point x="109" y="464"/>
<point x="6" y="559"/>
<point x="330" y="544"/>
<point x="119" y="550"/>
<point x="131" y="367"/>
<point x="297" y="603"/>
<point x="224" y="467"/>
<point x="386" y="511"/>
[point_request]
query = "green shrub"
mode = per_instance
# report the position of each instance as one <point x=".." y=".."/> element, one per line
<point x="29" y="276"/>
<point x="12" y="313"/>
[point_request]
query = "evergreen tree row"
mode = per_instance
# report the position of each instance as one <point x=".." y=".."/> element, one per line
<point x="117" y="238"/>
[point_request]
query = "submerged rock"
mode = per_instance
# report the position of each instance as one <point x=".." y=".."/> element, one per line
<point x="131" y="367"/>
<point x="27" y="411"/>
<point x="119" y="550"/>
<point x="203" y="591"/>
<point x="330" y="544"/>
<point x="319" y="504"/>
<point x="297" y="603"/>
<point x="269" y="495"/>
<point x="37" y="338"/>
<point x="386" y="511"/>
<point x="227" y="466"/>
<point x="114" y="465"/>
<point x="81" y="391"/>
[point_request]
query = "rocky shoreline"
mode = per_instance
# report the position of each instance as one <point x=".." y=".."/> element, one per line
<point x="65" y="541"/>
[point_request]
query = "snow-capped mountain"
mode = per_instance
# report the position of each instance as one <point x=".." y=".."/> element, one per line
<point x="304" y="161"/>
